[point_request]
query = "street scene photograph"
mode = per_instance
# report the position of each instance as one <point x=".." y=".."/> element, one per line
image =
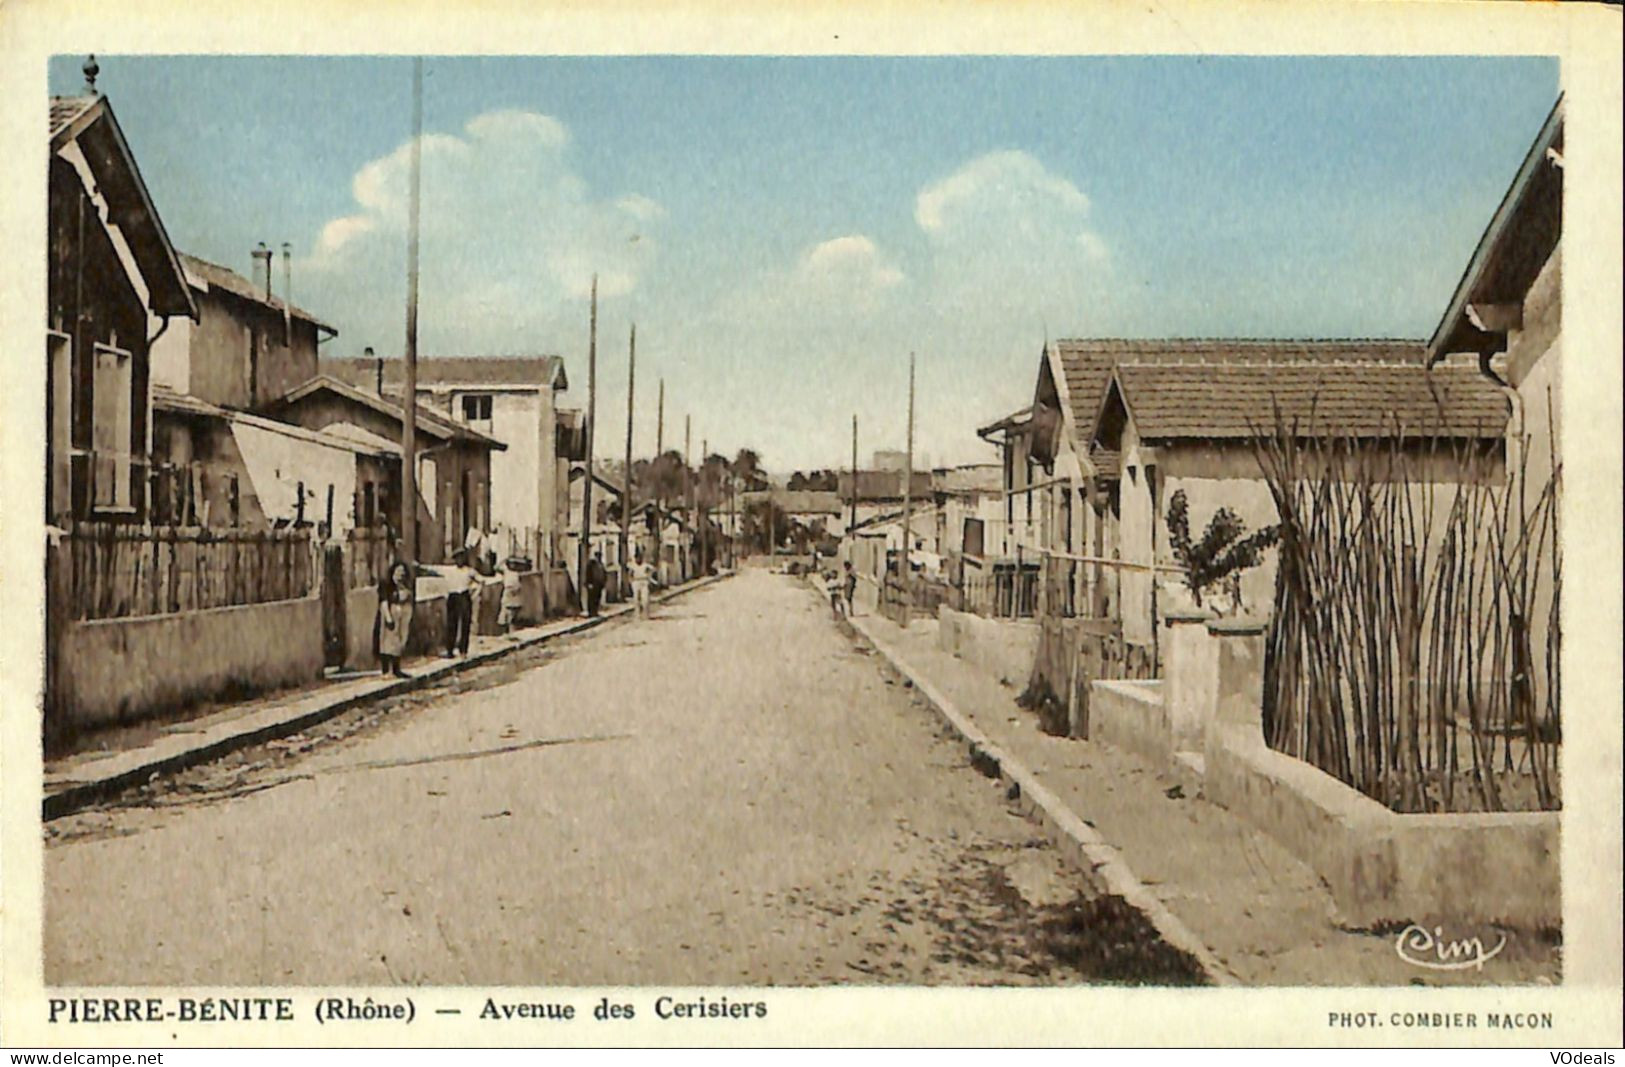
<point x="775" y="521"/>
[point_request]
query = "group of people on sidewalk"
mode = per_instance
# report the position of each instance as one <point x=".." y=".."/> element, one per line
<point x="640" y="575"/>
<point x="842" y="587"/>
<point x="397" y="597"/>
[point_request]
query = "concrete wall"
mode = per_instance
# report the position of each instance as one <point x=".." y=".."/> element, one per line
<point x="1131" y="716"/>
<point x="360" y="617"/>
<point x="1003" y="648"/>
<point x="123" y="670"/>
<point x="1381" y="866"/>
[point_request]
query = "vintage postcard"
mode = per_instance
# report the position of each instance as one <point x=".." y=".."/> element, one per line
<point x="1030" y="525"/>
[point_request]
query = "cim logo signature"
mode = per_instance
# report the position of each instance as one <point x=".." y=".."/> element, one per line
<point x="1421" y="947"/>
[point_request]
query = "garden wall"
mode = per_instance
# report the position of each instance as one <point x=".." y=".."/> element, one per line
<point x="1382" y="867"/>
<point x="117" y="671"/>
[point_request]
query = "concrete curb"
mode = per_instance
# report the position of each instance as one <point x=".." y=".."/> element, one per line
<point x="82" y="794"/>
<point x="1076" y="839"/>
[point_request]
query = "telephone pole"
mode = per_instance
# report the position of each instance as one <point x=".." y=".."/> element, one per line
<point x="853" y="523"/>
<point x="626" y="480"/>
<point x="409" y="399"/>
<point x="908" y="501"/>
<point x="592" y="411"/>
<point x="705" y="512"/>
<point x="688" y="495"/>
<point x="660" y="420"/>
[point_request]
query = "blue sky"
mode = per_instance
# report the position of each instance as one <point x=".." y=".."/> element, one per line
<point x="785" y="230"/>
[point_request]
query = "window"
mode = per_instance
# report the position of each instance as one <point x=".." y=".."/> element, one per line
<point x="110" y="428"/>
<point x="59" y="365"/>
<point x="477" y="407"/>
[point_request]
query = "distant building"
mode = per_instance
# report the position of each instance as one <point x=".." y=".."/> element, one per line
<point x="512" y="399"/>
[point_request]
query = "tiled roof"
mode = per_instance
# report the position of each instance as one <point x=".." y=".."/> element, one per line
<point x="471" y="371"/>
<point x="1108" y="463"/>
<point x="1087" y="364"/>
<point x="64" y="109"/>
<point x="429" y="422"/>
<point x="218" y="277"/>
<point x="1363" y="400"/>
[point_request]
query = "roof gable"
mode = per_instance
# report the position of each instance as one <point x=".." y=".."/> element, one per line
<point x="428" y="422"/>
<point x="1520" y="238"/>
<point x="88" y="122"/>
<point x="205" y="275"/>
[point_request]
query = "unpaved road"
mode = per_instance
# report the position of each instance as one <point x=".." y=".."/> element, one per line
<point x="731" y="793"/>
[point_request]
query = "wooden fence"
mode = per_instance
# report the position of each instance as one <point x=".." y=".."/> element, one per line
<point x="116" y="571"/>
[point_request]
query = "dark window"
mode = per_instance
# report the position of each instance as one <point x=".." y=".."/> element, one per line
<point x="476" y="409"/>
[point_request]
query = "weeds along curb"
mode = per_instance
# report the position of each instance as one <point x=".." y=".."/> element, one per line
<point x="82" y="795"/>
<point x="1079" y="842"/>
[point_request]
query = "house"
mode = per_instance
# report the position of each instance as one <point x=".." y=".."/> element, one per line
<point x="969" y="501"/>
<point x="1059" y="476"/>
<point x="866" y="494"/>
<point x="453" y="461"/>
<point x="1172" y="426"/>
<point x="247" y="349"/>
<point x="605" y="536"/>
<point x="817" y="511"/>
<point x="221" y="467"/>
<point x="113" y="282"/>
<point x="215" y="461"/>
<point x="1507" y="310"/>
<point x="666" y="528"/>
<point x="512" y="399"/>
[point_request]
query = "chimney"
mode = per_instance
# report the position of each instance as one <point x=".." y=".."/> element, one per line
<point x="287" y="294"/>
<point x="366" y="353"/>
<point x="265" y="254"/>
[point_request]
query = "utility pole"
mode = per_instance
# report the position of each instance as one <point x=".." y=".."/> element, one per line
<point x="660" y="420"/>
<point x="688" y="496"/>
<point x="626" y="480"/>
<point x="705" y="512"/>
<point x="586" y="482"/>
<point x="908" y="501"/>
<point x="853" y="523"/>
<point x="409" y="398"/>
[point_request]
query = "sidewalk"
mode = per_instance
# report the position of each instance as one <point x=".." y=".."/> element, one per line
<point x="83" y="778"/>
<point x="1262" y="916"/>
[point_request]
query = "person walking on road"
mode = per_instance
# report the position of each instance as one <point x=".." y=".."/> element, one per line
<point x="849" y="587"/>
<point x="395" y="595"/>
<point x="837" y="603"/>
<point x="642" y="574"/>
<point x="597" y="577"/>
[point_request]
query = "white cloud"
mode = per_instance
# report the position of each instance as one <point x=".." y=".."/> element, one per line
<point x="1012" y="239"/>
<point x="1000" y="187"/>
<point x="849" y="262"/>
<point x="511" y="237"/>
